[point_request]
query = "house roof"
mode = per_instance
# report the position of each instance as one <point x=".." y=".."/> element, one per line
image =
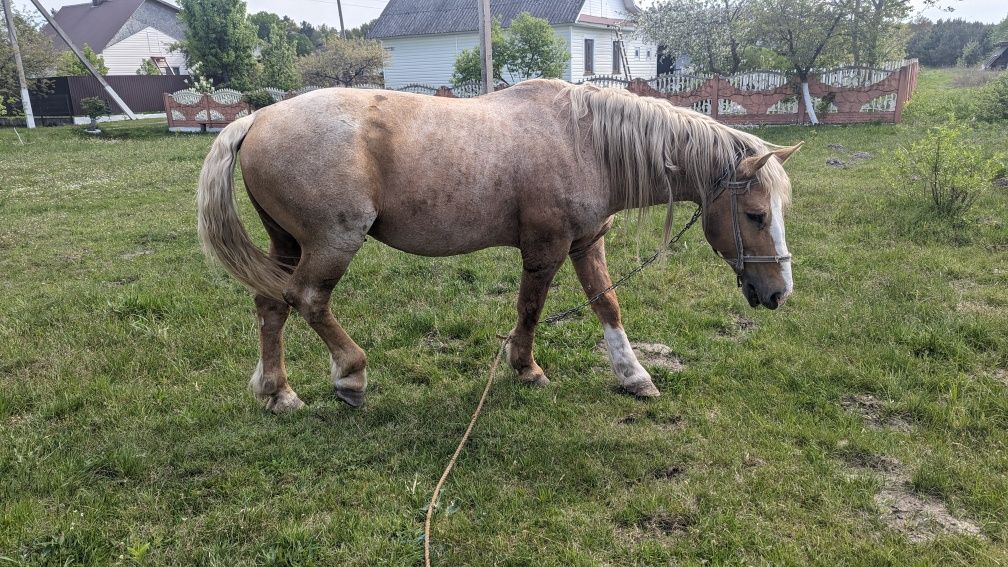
<point x="427" y="17"/>
<point x="96" y="25"/>
<point x="1000" y="49"/>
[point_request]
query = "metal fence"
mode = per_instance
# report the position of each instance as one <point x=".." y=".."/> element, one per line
<point x="142" y="93"/>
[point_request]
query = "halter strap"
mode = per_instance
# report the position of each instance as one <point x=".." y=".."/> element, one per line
<point x="735" y="188"/>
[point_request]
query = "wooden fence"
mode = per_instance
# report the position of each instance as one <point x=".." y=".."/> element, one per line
<point x="845" y="95"/>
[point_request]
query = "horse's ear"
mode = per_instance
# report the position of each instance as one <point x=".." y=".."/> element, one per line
<point x="750" y="165"/>
<point x="784" y="153"/>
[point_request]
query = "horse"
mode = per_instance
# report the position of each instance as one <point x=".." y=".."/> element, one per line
<point x="542" y="166"/>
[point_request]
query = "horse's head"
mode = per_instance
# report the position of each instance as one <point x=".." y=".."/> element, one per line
<point x="744" y="223"/>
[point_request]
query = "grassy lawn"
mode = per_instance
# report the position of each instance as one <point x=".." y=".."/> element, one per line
<point x="128" y="434"/>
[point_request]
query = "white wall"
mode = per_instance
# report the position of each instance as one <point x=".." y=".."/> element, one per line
<point x="642" y="57"/>
<point x="430" y="60"/>
<point x="427" y="60"/>
<point x="125" y="57"/>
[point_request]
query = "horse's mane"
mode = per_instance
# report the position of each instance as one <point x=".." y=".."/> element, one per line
<point x="643" y="140"/>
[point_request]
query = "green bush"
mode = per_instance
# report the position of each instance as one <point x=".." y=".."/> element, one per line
<point x="993" y="100"/>
<point x="94" y="107"/>
<point x="944" y="172"/>
<point x="258" y="99"/>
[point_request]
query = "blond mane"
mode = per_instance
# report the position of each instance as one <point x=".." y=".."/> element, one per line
<point x="643" y="140"/>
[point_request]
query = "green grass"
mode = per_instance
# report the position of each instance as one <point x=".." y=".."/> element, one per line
<point x="128" y="434"/>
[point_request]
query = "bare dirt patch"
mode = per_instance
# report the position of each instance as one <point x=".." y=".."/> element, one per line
<point x="918" y="517"/>
<point x="739" y="327"/>
<point x="653" y="354"/>
<point x="872" y="411"/>
<point x="670" y="473"/>
<point x="1001" y="375"/>
<point x="662" y="526"/>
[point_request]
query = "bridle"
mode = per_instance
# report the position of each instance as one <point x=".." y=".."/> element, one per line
<point x="735" y="188"/>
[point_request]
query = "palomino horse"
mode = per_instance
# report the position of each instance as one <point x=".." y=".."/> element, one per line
<point x="542" y="166"/>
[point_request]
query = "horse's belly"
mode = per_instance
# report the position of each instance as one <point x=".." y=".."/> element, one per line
<point x="434" y="236"/>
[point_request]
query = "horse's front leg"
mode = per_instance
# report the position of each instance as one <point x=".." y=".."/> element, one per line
<point x="590" y="265"/>
<point x="539" y="265"/>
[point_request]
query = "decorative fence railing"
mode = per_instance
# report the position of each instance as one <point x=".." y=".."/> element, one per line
<point x="844" y="95"/>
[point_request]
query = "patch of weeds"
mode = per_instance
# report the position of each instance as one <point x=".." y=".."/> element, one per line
<point x="940" y="176"/>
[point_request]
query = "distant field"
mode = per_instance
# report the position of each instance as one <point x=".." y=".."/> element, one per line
<point x="128" y="435"/>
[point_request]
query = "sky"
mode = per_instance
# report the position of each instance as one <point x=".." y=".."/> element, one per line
<point x="356" y="12"/>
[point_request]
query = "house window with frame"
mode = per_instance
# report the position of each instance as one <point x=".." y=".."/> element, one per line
<point x="617" y="57"/>
<point x="589" y="56"/>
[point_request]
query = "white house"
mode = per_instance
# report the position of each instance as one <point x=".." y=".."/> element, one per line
<point x="125" y="33"/>
<point x="423" y="37"/>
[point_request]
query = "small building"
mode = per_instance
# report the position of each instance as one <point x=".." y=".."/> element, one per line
<point x="125" y="33"/>
<point x="998" y="58"/>
<point x="423" y="38"/>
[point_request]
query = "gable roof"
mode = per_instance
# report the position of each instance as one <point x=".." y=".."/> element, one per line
<point x="1000" y="48"/>
<point x="427" y="17"/>
<point x="96" y="25"/>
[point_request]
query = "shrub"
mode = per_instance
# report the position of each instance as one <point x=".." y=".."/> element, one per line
<point x="993" y="100"/>
<point x="945" y="171"/>
<point x="258" y="99"/>
<point x="94" y="107"/>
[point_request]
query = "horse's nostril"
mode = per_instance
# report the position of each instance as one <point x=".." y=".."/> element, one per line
<point x="776" y="299"/>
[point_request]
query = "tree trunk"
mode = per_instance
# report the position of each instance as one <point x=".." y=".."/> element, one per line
<point x="809" y="107"/>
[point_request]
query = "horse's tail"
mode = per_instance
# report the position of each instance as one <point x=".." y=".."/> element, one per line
<point x="220" y="228"/>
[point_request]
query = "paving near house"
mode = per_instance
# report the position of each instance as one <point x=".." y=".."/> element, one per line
<point x="865" y="422"/>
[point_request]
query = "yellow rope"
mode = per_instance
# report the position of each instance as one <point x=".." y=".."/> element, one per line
<point x="458" y="450"/>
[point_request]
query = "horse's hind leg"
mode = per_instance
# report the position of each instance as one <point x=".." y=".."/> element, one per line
<point x="590" y="265"/>
<point x="309" y="292"/>
<point x="269" y="381"/>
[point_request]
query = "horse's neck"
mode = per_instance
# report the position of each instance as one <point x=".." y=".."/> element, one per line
<point x="680" y="188"/>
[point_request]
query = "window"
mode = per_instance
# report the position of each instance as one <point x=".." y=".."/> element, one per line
<point x="636" y="52"/>
<point x="617" y="57"/>
<point x="589" y="56"/>
<point x="649" y="54"/>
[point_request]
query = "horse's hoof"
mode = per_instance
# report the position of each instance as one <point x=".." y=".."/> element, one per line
<point x="352" y="398"/>
<point x="536" y="380"/>
<point x="643" y="389"/>
<point x="284" y="401"/>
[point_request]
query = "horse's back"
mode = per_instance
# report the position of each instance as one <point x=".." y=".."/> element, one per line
<point x="435" y="175"/>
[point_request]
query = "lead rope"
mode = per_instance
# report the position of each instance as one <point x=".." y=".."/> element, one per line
<point x="496" y="363"/>
<point x="458" y="450"/>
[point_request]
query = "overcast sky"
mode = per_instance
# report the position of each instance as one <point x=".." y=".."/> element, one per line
<point x="356" y="12"/>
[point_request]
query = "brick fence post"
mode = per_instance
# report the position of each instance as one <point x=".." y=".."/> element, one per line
<point x="715" y="103"/>
<point x="902" y="92"/>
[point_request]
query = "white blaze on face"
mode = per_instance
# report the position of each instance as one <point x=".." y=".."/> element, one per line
<point x="780" y="245"/>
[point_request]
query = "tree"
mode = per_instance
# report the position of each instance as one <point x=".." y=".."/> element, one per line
<point x="70" y="66"/>
<point x="37" y="53"/>
<point x="875" y="31"/>
<point x="807" y="33"/>
<point x="941" y="44"/>
<point x="533" y="50"/>
<point x="343" y="62"/>
<point x="1000" y="31"/>
<point x="279" y="68"/>
<point x="469" y="63"/>
<point x="360" y="32"/>
<point x="220" y="37"/>
<point x="710" y="32"/>
<point x="529" y="49"/>
<point x="148" y="68"/>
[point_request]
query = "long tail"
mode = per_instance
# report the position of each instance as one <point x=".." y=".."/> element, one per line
<point x="221" y="231"/>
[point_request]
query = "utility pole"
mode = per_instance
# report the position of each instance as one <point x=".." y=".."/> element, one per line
<point x="25" y="98"/>
<point x="339" y="8"/>
<point x="486" y="46"/>
<point x="94" y="72"/>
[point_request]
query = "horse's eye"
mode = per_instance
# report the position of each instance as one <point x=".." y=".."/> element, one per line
<point x="758" y="218"/>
